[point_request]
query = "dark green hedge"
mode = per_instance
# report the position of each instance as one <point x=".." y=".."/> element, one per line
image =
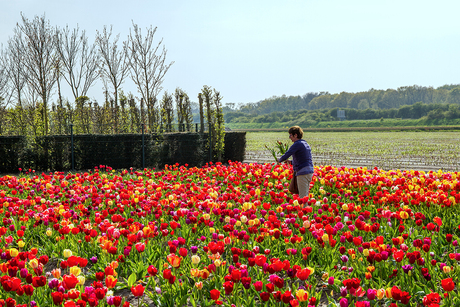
<point x="235" y="146"/>
<point x="10" y="150"/>
<point x="117" y="151"/>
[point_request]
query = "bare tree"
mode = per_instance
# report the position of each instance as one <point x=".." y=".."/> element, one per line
<point x="114" y="68"/>
<point x="13" y="61"/>
<point x="3" y="90"/>
<point x="3" y="76"/>
<point x="79" y="60"/>
<point x="39" y="56"/>
<point x="148" y="65"/>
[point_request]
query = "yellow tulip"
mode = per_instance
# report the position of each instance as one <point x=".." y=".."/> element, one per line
<point x="75" y="270"/>
<point x="13" y="252"/>
<point x="404" y="215"/>
<point x="33" y="263"/>
<point x="388" y="293"/>
<point x="67" y="253"/>
<point x="195" y="272"/>
<point x="301" y="295"/>
<point x="195" y="259"/>
<point x="81" y="280"/>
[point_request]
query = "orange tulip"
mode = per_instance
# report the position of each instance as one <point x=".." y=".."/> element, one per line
<point x="204" y="274"/>
<point x="301" y="295"/>
<point x="195" y="272"/>
<point x="110" y="281"/>
<point x="174" y="260"/>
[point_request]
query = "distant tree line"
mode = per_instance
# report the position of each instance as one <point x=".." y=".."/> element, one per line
<point x="405" y="102"/>
<point x="311" y="117"/>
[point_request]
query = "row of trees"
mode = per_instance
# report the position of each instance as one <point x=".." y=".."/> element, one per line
<point x="38" y="59"/>
<point x="372" y="99"/>
<point x="175" y="114"/>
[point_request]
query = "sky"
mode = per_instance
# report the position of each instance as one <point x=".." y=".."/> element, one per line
<point x="251" y="50"/>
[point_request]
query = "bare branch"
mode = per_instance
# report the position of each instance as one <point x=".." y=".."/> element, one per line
<point x="4" y="78"/>
<point x="79" y="60"/>
<point x="13" y="59"/>
<point x="39" y="58"/>
<point x="114" y="66"/>
<point x="147" y="67"/>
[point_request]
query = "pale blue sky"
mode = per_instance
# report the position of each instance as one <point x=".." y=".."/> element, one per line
<point x="251" y="50"/>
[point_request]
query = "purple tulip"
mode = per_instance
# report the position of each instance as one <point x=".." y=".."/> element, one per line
<point x="343" y="302"/>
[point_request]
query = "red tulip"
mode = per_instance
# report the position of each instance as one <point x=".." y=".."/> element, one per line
<point x="215" y="294"/>
<point x="57" y="297"/>
<point x="265" y="296"/>
<point x="448" y="284"/>
<point x="228" y="286"/>
<point x="152" y="270"/>
<point x="258" y="285"/>
<point x="137" y="290"/>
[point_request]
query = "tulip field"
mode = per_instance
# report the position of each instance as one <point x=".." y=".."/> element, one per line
<point x="229" y="234"/>
<point x="387" y="150"/>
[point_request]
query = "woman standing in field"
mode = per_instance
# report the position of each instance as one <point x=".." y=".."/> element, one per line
<point x="302" y="162"/>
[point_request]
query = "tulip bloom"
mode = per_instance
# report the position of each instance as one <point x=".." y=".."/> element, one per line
<point x="303" y="274"/>
<point x="228" y="286"/>
<point x="258" y="285"/>
<point x="174" y="260"/>
<point x="69" y="281"/>
<point x="140" y="247"/>
<point x="111" y="281"/>
<point x="57" y="297"/>
<point x="137" y="290"/>
<point x="301" y="295"/>
<point x="448" y="284"/>
<point x="343" y="302"/>
<point x="195" y="259"/>
<point x="75" y="270"/>
<point x="265" y="296"/>
<point x="152" y="270"/>
<point x="215" y="294"/>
